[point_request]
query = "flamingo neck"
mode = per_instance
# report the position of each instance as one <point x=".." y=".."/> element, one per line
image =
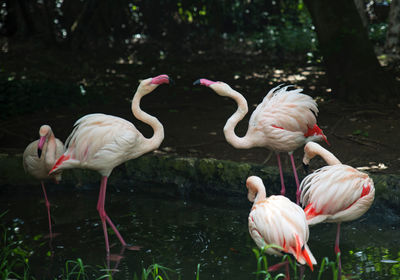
<point x="261" y="195"/>
<point x="326" y="155"/>
<point x="229" y="128"/>
<point x="50" y="150"/>
<point x="154" y="142"/>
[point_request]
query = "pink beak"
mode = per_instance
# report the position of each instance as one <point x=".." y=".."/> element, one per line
<point x="161" y="79"/>
<point x="204" y="82"/>
<point x="42" y="140"/>
<point x="326" y="139"/>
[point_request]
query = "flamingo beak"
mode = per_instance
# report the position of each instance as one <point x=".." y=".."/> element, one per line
<point x="162" y="79"/>
<point x="42" y="140"/>
<point x="203" y="82"/>
<point x="326" y="139"/>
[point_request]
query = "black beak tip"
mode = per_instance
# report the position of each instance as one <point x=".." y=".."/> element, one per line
<point x="171" y="82"/>
<point x="39" y="152"/>
<point x="305" y="167"/>
<point x="197" y="82"/>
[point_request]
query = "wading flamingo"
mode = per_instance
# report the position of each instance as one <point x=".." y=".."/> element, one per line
<point x="276" y="220"/>
<point x="101" y="142"/>
<point x="282" y="122"/>
<point x="40" y="156"/>
<point x="335" y="193"/>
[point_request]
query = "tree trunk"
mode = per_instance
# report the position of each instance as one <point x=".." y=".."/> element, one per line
<point x="393" y="33"/>
<point x="360" y="5"/>
<point x="353" y="70"/>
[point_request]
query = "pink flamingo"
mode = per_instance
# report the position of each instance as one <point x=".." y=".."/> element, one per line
<point x="101" y="142"/>
<point x="39" y="166"/>
<point x="276" y="220"/>
<point x="282" y="122"/>
<point x="335" y="193"/>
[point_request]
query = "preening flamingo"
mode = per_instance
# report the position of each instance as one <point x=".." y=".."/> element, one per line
<point x="277" y="220"/>
<point x="101" y="142"/>
<point x="40" y="156"/>
<point x="335" y="193"/>
<point x="282" y="122"/>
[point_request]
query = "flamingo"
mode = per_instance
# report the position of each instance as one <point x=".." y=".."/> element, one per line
<point x="39" y="166"/>
<point x="101" y="142"/>
<point x="335" y="193"/>
<point x="277" y="220"/>
<point x="282" y="122"/>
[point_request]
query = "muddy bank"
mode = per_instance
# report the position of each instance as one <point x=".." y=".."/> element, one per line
<point x="204" y="178"/>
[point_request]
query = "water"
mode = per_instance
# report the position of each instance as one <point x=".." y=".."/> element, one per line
<point x="180" y="233"/>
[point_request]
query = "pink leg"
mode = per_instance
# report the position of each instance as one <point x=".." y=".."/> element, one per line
<point x="48" y="209"/>
<point x="104" y="217"/>
<point x="277" y="266"/>
<point x="296" y="178"/>
<point x="337" y="251"/>
<point x="283" y="189"/>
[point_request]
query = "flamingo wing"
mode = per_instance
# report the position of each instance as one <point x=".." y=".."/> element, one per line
<point x="290" y="110"/>
<point x="336" y="193"/>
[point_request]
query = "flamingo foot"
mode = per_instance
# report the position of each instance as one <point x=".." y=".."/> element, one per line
<point x="133" y="247"/>
<point x="115" y="257"/>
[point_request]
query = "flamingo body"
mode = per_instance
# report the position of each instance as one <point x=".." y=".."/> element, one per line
<point x="40" y="167"/>
<point x="101" y="142"/>
<point x="337" y="193"/>
<point x="334" y="193"/>
<point x="277" y="220"/>
<point x="284" y="120"/>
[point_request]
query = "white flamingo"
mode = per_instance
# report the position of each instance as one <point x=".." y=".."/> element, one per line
<point x="284" y="121"/>
<point x="276" y="220"/>
<point x="335" y="193"/>
<point x="40" y="156"/>
<point x="101" y="142"/>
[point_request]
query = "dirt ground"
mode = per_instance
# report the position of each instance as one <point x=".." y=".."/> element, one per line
<point x="193" y="117"/>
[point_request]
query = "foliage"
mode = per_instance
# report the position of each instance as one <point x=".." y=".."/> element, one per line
<point x="262" y="265"/>
<point x="14" y="258"/>
<point x="20" y="96"/>
<point x="377" y="33"/>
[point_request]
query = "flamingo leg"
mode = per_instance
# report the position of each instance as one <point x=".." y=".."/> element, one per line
<point x="283" y="189"/>
<point x="104" y="217"/>
<point x="296" y="179"/>
<point x="48" y="209"/>
<point x="337" y="251"/>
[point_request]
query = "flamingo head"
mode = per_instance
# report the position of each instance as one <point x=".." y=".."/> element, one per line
<point x="220" y="88"/>
<point x="150" y="84"/>
<point x="253" y="184"/>
<point x="316" y="133"/>
<point x="44" y="132"/>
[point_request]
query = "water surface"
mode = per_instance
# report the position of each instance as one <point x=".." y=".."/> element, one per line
<point x="180" y="233"/>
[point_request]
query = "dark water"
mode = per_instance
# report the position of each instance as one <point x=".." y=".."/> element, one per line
<point x="180" y="233"/>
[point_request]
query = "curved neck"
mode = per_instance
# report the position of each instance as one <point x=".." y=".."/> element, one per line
<point x="158" y="135"/>
<point x="261" y="195"/>
<point x="326" y="155"/>
<point x="229" y="128"/>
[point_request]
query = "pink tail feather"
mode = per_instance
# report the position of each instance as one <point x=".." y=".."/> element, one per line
<point x="59" y="162"/>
